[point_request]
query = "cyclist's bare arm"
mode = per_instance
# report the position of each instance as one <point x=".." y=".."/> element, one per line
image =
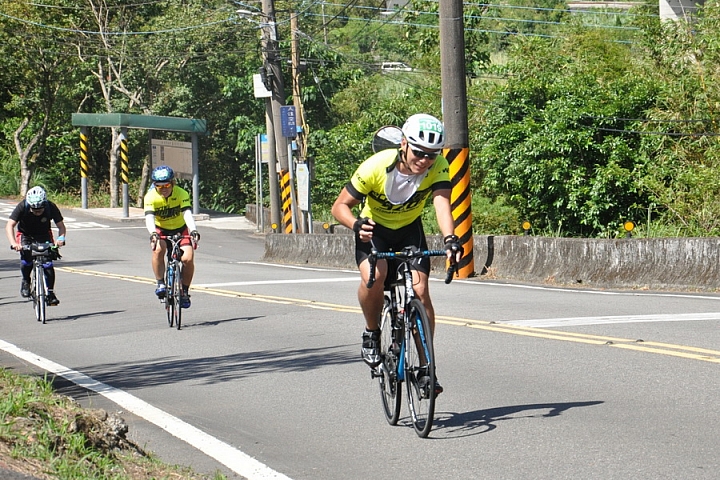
<point x="60" y="241"/>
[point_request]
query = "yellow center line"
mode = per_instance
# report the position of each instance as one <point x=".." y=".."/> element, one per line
<point x="681" y="351"/>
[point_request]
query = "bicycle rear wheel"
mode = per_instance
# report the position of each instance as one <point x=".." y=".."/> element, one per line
<point x="420" y="369"/>
<point x="38" y="293"/>
<point x="390" y="391"/>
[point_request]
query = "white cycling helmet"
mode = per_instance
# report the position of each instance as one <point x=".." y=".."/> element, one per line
<point x="424" y="131"/>
<point x="36" y="197"/>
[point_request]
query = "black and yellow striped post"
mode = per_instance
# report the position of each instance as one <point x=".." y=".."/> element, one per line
<point x="84" y="166"/>
<point x="124" y="172"/>
<point x="286" y="201"/>
<point x="460" y="202"/>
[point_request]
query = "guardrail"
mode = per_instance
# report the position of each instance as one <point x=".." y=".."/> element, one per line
<point x="688" y="264"/>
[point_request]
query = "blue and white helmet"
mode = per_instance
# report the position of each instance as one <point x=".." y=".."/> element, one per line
<point x="162" y="174"/>
<point x="36" y="197"/>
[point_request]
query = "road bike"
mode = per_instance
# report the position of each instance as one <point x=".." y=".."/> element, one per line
<point x="173" y="278"/>
<point x="43" y="254"/>
<point x="406" y="344"/>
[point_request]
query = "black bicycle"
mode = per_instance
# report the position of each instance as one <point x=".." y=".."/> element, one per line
<point x="43" y="254"/>
<point x="406" y="344"/>
<point x="173" y="278"/>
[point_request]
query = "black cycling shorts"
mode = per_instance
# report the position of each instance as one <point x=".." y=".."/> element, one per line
<point x="389" y="240"/>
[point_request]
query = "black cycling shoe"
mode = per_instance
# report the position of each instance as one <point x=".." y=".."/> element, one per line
<point x="52" y="300"/>
<point x="424" y="384"/>
<point x="25" y="289"/>
<point x="370" y="350"/>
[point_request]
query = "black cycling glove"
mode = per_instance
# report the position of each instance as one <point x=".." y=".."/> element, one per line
<point x="452" y="244"/>
<point x="359" y="223"/>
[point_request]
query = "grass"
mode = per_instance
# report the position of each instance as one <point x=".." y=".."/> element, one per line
<point x="50" y="436"/>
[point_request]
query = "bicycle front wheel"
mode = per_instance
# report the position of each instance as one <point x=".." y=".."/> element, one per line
<point x="177" y="293"/>
<point x="390" y="391"/>
<point x="168" y="300"/>
<point x="420" y="369"/>
<point x="38" y="293"/>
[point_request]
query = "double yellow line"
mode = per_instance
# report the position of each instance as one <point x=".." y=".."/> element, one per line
<point x="659" y="348"/>
<point x="682" y="351"/>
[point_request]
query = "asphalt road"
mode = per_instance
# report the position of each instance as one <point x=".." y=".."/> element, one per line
<point x="265" y="380"/>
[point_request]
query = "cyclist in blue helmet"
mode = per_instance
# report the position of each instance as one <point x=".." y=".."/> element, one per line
<point x="168" y="211"/>
<point x="32" y="218"/>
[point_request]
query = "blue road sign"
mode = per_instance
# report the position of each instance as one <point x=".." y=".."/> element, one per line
<point x="289" y="121"/>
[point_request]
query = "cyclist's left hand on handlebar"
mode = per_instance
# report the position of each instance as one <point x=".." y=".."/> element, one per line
<point x="154" y="237"/>
<point x="453" y="247"/>
<point x="195" y="236"/>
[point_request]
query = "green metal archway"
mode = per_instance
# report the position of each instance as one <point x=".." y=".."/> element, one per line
<point x="191" y="126"/>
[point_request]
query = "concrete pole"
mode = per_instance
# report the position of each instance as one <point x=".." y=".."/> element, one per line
<point x="272" y="167"/>
<point x="454" y="97"/>
<point x="272" y="67"/>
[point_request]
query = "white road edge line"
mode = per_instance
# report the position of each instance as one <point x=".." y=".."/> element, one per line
<point x="236" y="460"/>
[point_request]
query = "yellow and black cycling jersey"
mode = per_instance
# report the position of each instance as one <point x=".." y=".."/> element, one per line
<point x="168" y="211"/>
<point x="369" y="183"/>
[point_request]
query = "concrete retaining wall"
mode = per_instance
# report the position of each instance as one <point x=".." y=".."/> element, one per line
<point x="654" y="263"/>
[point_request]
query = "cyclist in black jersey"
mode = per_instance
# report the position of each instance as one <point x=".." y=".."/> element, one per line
<point x="33" y="218"/>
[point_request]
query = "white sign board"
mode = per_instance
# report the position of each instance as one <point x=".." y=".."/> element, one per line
<point x="176" y="155"/>
<point x="303" y="186"/>
<point x="259" y="88"/>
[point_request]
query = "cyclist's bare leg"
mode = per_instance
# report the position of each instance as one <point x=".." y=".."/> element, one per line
<point x="188" y="260"/>
<point x="371" y="299"/>
<point x="158" y="260"/>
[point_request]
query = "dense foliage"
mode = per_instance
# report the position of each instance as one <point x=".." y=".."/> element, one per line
<point x="579" y="120"/>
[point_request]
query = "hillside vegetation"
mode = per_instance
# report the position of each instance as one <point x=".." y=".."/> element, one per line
<point x="579" y="120"/>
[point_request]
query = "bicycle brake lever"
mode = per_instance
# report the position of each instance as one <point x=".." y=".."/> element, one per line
<point x="450" y="272"/>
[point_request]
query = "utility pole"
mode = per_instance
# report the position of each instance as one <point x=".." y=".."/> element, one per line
<point x="274" y="75"/>
<point x="454" y="98"/>
<point x="306" y="223"/>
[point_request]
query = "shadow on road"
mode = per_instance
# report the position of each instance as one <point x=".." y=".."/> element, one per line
<point x="216" y="369"/>
<point x="456" y="425"/>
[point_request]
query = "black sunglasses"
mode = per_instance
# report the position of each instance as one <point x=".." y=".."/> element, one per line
<point x="422" y="153"/>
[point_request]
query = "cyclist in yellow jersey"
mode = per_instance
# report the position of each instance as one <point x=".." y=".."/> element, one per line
<point x="168" y="211"/>
<point x="393" y="186"/>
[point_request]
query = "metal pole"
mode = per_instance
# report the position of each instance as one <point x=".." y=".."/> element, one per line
<point x="258" y="182"/>
<point x="124" y="171"/>
<point x="195" y="174"/>
<point x="84" y="166"/>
